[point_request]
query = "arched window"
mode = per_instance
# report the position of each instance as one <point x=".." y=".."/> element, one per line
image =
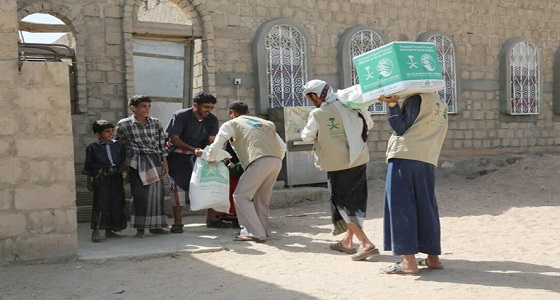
<point x="355" y="41"/>
<point x="520" y="77"/>
<point x="281" y="56"/>
<point x="446" y="54"/>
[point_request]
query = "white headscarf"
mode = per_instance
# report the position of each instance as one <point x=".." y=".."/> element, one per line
<point x="323" y="90"/>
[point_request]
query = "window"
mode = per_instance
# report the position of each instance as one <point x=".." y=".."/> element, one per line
<point x="355" y="41"/>
<point x="520" y="76"/>
<point x="446" y="54"/>
<point x="280" y="52"/>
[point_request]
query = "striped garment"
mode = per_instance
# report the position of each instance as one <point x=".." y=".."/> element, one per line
<point x="139" y="138"/>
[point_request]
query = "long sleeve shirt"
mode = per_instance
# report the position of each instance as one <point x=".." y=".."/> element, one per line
<point x="402" y="118"/>
<point x="139" y="138"/>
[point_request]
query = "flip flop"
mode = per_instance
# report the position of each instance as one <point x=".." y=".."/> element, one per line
<point x="338" y="247"/>
<point x="424" y="263"/>
<point x="396" y="269"/>
<point x="364" y="254"/>
<point x="244" y="238"/>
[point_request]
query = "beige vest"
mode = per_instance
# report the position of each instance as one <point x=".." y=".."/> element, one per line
<point x="331" y="148"/>
<point x="424" y="139"/>
<point x="254" y="138"/>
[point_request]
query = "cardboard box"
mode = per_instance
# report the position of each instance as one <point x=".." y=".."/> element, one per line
<point x="399" y="68"/>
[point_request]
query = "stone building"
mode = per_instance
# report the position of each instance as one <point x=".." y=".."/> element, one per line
<point x="500" y="62"/>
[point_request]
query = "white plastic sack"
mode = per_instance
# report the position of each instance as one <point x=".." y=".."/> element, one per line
<point x="209" y="186"/>
<point x="353" y="98"/>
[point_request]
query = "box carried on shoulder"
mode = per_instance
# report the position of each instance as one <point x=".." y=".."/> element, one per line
<point x="399" y="68"/>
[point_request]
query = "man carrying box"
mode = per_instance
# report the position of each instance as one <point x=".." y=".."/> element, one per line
<point x="411" y="218"/>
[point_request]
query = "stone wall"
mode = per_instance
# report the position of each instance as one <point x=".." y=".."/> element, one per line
<point x="37" y="193"/>
<point x="478" y="30"/>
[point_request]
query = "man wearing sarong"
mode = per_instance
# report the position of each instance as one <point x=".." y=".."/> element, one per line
<point x="340" y="149"/>
<point x="144" y="141"/>
<point x="411" y="218"/>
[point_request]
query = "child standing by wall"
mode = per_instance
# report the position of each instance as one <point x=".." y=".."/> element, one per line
<point x="103" y="167"/>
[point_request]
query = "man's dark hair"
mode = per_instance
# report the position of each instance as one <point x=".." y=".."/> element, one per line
<point x="240" y="107"/>
<point x="137" y="99"/>
<point x="100" y="125"/>
<point x="203" y="97"/>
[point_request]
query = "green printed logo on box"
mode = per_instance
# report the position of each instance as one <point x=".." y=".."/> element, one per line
<point x="399" y="66"/>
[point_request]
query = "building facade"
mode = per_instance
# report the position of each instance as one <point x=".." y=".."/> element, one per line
<point x="500" y="60"/>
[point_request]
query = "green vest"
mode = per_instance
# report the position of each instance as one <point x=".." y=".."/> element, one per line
<point x="254" y="138"/>
<point x="331" y="148"/>
<point x="424" y="139"/>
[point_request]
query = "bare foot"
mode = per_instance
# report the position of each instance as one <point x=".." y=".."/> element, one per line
<point x="431" y="263"/>
<point x="96" y="237"/>
<point x="140" y="233"/>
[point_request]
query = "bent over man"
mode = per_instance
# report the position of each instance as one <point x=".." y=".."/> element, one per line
<point x="260" y="151"/>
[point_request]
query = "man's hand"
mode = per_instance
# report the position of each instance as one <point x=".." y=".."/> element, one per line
<point x="198" y="152"/>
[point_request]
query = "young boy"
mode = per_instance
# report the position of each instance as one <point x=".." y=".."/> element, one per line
<point x="103" y="167"/>
<point x="144" y="141"/>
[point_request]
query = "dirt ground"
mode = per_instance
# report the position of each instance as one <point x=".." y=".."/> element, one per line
<point x="500" y="239"/>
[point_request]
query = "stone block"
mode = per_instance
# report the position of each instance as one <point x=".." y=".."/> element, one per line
<point x="48" y="247"/>
<point x="113" y="38"/>
<point x="54" y="147"/>
<point x="10" y="171"/>
<point x="115" y="77"/>
<point x="44" y="74"/>
<point x="6" y="199"/>
<point x="57" y="221"/>
<point x="8" y="125"/>
<point x="33" y="197"/>
<point x="11" y="225"/>
<point x="112" y="11"/>
<point x="8" y="22"/>
<point x="9" y="68"/>
<point x="111" y="116"/>
<point x="91" y="9"/>
<point x="40" y="172"/>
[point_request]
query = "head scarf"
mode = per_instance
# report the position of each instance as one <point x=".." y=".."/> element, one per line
<point x="321" y="88"/>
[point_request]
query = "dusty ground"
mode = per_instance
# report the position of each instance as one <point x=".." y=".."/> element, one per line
<point x="501" y="239"/>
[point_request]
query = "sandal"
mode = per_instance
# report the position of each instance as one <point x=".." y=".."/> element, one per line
<point x="396" y="269"/>
<point x="245" y="238"/>
<point x="339" y="247"/>
<point x="176" y="228"/>
<point x="364" y="254"/>
<point x="219" y="224"/>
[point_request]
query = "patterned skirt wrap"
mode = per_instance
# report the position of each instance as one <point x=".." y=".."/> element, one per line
<point x="348" y="196"/>
<point x="108" y="202"/>
<point x="147" y="211"/>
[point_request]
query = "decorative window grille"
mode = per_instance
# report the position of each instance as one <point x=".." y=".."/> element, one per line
<point x="446" y="54"/>
<point x="361" y="42"/>
<point x="286" y="66"/>
<point x="524" y="79"/>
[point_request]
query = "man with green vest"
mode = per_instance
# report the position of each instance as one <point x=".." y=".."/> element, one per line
<point x="260" y="151"/>
<point x="411" y="218"/>
<point x="340" y="149"/>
